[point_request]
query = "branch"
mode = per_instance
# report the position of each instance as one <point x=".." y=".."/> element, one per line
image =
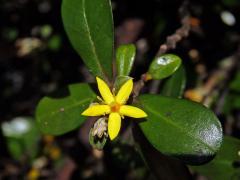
<point x="170" y="43"/>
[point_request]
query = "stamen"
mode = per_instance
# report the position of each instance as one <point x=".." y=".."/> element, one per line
<point x="115" y="107"/>
<point x="101" y="100"/>
<point x="113" y="92"/>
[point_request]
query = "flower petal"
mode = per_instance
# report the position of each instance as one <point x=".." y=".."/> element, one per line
<point x="97" y="110"/>
<point x="124" y="92"/>
<point x="105" y="91"/>
<point x="114" y="125"/>
<point x="132" y="111"/>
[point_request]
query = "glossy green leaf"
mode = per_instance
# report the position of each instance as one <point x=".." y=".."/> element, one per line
<point x="89" y="26"/>
<point x="58" y="116"/>
<point x="226" y="165"/>
<point x="164" y="66"/>
<point x="125" y="58"/>
<point x="175" y="85"/>
<point x="22" y="137"/>
<point x="181" y="128"/>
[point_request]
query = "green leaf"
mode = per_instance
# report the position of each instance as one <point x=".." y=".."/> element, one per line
<point x="125" y="58"/>
<point x="22" y="137"/>
<point x="89" y="26"/>
<point x="226" y="164"/>
<point x="175" y="85"/>
<point x="181" y="128"/>
<point x="164" y="66"/>
<point x="58" y="116"/>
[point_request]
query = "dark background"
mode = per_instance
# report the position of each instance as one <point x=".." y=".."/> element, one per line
<point x="30" y="71"/>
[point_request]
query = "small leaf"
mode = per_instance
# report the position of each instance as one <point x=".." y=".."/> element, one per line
<point x="164" y="66"/>
<point x="125" y="58"/>
<point x="89" y="26"/>
<point x="175" y="85"/>
<point x="226" y="165"/>
<point x="181" y="128"/>
<point x="58" y="116"/>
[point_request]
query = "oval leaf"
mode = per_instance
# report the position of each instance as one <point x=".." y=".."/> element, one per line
<point x="89" y="26"/>
<point x="181" y="128"/>
<point x="164" y="66"/>
<point x="226" y="164"/>
<point x="175" y="85"/>
<point x="58" y="116"/>
<point x="125" y="58"/>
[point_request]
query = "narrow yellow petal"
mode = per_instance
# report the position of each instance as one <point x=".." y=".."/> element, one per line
<point x="124" y="92"/>
<point x="114" y="125"/>
<point x="105" y="91"/>
<point x="132" y="111"/>
<point x="97" y="110"/>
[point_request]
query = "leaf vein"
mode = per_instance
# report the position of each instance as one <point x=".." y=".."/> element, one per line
<point x="178" y="127"/>
<point x="91" y="40"/>
<point x="65" y="108"/>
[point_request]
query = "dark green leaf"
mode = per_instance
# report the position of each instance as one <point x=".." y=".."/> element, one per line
<point x="164" y="66"/>
<point x="181" y="128"/>
<point x="89" y="26"/>
<point x="58" y="116"/>
<point x="125" y="58"/>
<point x="174" y="86"/>
<point x="226" y="165"/>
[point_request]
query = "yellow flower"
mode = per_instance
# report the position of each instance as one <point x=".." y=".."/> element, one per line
<point x="114" y="106"/>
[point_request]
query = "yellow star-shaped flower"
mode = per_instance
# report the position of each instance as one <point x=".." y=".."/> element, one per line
<point x="114" y="106"/>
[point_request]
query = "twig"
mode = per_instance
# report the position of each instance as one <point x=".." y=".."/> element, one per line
<point x="180" y="33"/>
<point x="169" y="44"/>
<point x="173" y="39"/>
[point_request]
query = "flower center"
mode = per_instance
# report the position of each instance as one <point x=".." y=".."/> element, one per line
<point x="115" y="107"/>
